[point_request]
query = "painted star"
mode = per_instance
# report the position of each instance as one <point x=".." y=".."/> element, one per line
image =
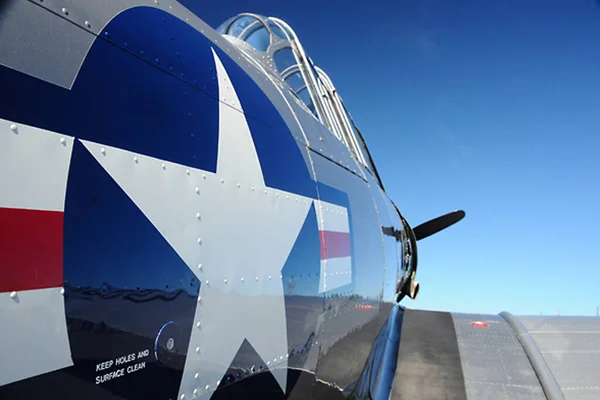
<point x="232" y="231"/>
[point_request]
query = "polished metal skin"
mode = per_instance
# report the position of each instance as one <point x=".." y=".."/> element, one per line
<point x="177" y="223"/>
<point x="182" y="220"/>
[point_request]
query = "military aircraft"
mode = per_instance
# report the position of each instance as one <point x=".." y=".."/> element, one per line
<point x="191" y="213"/>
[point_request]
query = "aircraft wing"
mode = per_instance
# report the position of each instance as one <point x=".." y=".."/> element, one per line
<point x="455" y="356"/>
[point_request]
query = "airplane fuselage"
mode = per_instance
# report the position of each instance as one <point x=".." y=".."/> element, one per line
<point x="174" y="221"/>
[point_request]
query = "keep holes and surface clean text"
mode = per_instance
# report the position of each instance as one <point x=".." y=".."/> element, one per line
<point x="121" y="366"/>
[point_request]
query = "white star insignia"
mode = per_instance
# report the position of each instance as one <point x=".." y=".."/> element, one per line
<point x="232" y="231"/>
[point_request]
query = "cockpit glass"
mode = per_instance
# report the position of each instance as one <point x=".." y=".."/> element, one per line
<point x="239" y="25"/>
<point x="259" y="38"/>
<point x="277" y="30"/>
<point x="284" y="58"/>
<point x="222" y="29"/>
<point x="304" y="95"/>
<point x="295" y="81"/>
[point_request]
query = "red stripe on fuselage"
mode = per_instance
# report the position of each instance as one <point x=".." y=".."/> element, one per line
<point x="334" y="244"/>
<point x="31" y="249"/>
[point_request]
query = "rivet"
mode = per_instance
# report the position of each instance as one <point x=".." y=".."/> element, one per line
<point x="252" y="188"/>
<point x="242" y="279"/>
<point x="198" y="325"/>
<point x="287" y="355"/>
<point x="222" y="180"/>
<point x="287" y="197"/>
<point x="135" y="160"/>
<point x="203" y="176"/>
<point x="197" y="190"/>
<point x="238" y="185"/>
<point x="195" y="392"/>
<point x="257" y="279"/>
<point x="64" y="10"/>
<point x="187" y="171"/>
<point x="268" y="362"/>
<point x="276" y="194"/>
<point x="265" y="192"/>
<point x="155" y="1"/>
<point x="103" y="151"/>
<point x="13" y="295"/>
<point x="207" y="283"/>
<point x="198" y="215"/>
<point x="225" y="281"/>
<point x="196" y="376"/>
<point x="197" y="349"/>
<point x="218" y="383"/>
<point x="13" y="127"/>
<point x="280" y="276"/>
<point x="163" y="166"/>
<point x="182" y="396"/>
<point x="87" y="23"/>
<point x="199" y="299"/>
<point x="199" y="240"/>
<point x="200" y="266"/>
<point x="269" y="277"/>
<point x="275" y="359"/>
<point x="207" y="387"/>
<point x="62" y="290"/>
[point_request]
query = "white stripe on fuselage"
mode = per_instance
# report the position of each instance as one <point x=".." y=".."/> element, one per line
<point x="33" y="334"/>
<point x="34" y="165"/>
<point x="331" y="217"/>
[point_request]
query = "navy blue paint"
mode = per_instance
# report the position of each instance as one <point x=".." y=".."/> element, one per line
<point x="302" y="267"/>
<point x="156" y="94"/>
<point x="333" y="195"/>
<point x="120" y="100"/>
<point x="108" y="239"/>
<point x="123" y="283"/>
<point x="168" y="43"/>
<point x="303" y="303"/>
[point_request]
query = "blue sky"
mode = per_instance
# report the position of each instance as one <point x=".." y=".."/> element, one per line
<point x="491" y="107"/>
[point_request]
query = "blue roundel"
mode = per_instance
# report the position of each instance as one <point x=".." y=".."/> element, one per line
<point x="150" y="87"/>
<point x="147" y="85"/>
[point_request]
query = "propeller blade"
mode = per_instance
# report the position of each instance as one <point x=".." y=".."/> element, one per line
<point x="437" y="224"/>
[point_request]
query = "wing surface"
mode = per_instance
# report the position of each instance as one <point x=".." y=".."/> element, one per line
<point x="456" y="356"/>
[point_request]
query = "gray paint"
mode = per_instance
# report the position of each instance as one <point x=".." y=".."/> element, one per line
<point x="571" y="348"/>
<point x="494" y="363"/>
<point x="38" y="43"/>
<point x="543" y="372"/>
